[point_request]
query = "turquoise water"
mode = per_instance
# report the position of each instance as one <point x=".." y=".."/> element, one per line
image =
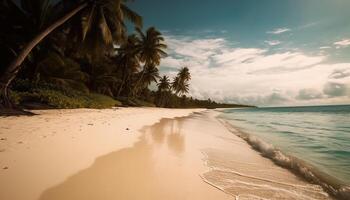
<point x="318" y="135"/>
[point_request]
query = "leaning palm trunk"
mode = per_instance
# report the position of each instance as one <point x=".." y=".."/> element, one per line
<point x="125" y="76"/>
<point x="12" y="70"/>
<point x="136" y="87"/>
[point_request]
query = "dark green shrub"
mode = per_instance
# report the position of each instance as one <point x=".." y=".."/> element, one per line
<point x="24" y="91"/>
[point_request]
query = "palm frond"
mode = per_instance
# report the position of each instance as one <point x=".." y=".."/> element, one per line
<point x="131" y="15"/>
<point x="105" y="30"/>
<point x="86" y="20"/>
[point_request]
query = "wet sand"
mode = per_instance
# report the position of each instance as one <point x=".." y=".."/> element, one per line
<point x="163" y="164"/>
<point x="193" y="157"/>
<point x="42" y="151"/>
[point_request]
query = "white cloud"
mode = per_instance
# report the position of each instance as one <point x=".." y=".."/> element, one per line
<point x="309" y="94"/>
<point x="171" y="62"/>
<point x="342" y="43"/>
<point x="279" y="31"/>
<point x="198" y="48"/>
<point x="273" y="42"/>
<point x="224" y="72"/>
<point x="325" y="47"/>
<point x="231" y="56"/>
<point x="340" y="73"/>
<point x="312" y="24"/>
<point x="274" y="98"/>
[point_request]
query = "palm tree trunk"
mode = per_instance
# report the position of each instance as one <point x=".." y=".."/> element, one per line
<point x="136" y="89"/>
<point x="121" y="87"/>
<point x="123" y="80"/>
<point x="12" y="69"/>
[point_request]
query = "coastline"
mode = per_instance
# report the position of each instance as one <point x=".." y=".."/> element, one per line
<point x="297" y="166"/>
<point x="303" y="167"/>
<point x="242" y="171"/>
<point x="134" y="155"/>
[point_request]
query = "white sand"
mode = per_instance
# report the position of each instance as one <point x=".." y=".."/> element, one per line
<point x="41" y="151"/>
<point x="90" y="155"/>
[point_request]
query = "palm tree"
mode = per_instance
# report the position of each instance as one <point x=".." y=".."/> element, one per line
<point x="179" y="87"/>
<point x="184" y="74"/>
<point x="102" y="21"/>
<point x="103" y="78"/>
<point x="128" y="62"/>
<point x="180" y="83"/>
<point x="24" y="22"/>
<point x="164" y="84"/>
<point x="163" y="88"/>
<point x="175" y="85"/>
<point x="150" y="75"/>
<point x="151" y="49"/>
<point x="61" y="71"/>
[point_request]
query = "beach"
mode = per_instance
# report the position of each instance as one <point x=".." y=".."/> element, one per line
<point x="137" y="153"/>
<point x="41" y="151"/>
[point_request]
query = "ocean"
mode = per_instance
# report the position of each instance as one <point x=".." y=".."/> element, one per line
<point x="316" y="138"/>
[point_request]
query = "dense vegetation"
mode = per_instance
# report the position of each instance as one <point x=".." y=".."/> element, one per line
<point x="79" y="53"/>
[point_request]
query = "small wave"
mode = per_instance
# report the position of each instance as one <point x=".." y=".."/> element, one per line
<point x="331" y="185"/>
<point x="241" y="120"/>
<point x="247" y="184"/>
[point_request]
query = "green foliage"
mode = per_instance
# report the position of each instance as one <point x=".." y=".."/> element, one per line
<point x="135" y="102"/>
<point x="76" y="65"/>
<point x="142" y="103"/>
<point x="151" y="46"/>
<point x="15" y="97"/>
<point x="62" y="71"/>
<point x="180" y="83"/>
<point x="102" y="101"/>
<point x="102" y="23"/>
<point x="58" y="97"/>
<point x="20" y="22"/>
<point x="103" y="78"/>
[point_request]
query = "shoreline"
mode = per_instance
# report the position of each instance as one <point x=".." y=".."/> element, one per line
<point x="335" y="187"/>
<point x="131" y="153"/>
<point x="245" y="173"/>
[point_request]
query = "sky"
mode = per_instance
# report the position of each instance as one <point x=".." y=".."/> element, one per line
<point x="257" y="52"/>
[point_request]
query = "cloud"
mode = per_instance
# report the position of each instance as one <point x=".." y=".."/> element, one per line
<point x="278" y="31"/>
<point x="273" y="42"/>
<point x="340" y="73"/>
<point x="171" y="62"/>
<point x="197" y="48"/>
<point x="342" y="43"/>
<point x="232" y="56"/>
<point x="308" y="94"/>
<point x="325" y="47"/>
<point x="286" y="62"/>
<point x="274" y="98"/>
<point x="226" y="72"/>
<point x="333" y="89"/>
<point x="312" y="24"/>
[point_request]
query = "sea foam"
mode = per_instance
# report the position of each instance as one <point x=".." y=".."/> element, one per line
<point x="299" y="167"/>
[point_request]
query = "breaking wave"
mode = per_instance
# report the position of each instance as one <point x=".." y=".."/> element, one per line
<point x="299" y="167"/>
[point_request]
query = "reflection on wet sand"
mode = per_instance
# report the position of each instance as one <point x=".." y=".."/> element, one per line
<point x="153" y="168"/>
<point x="171" y="129"/>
